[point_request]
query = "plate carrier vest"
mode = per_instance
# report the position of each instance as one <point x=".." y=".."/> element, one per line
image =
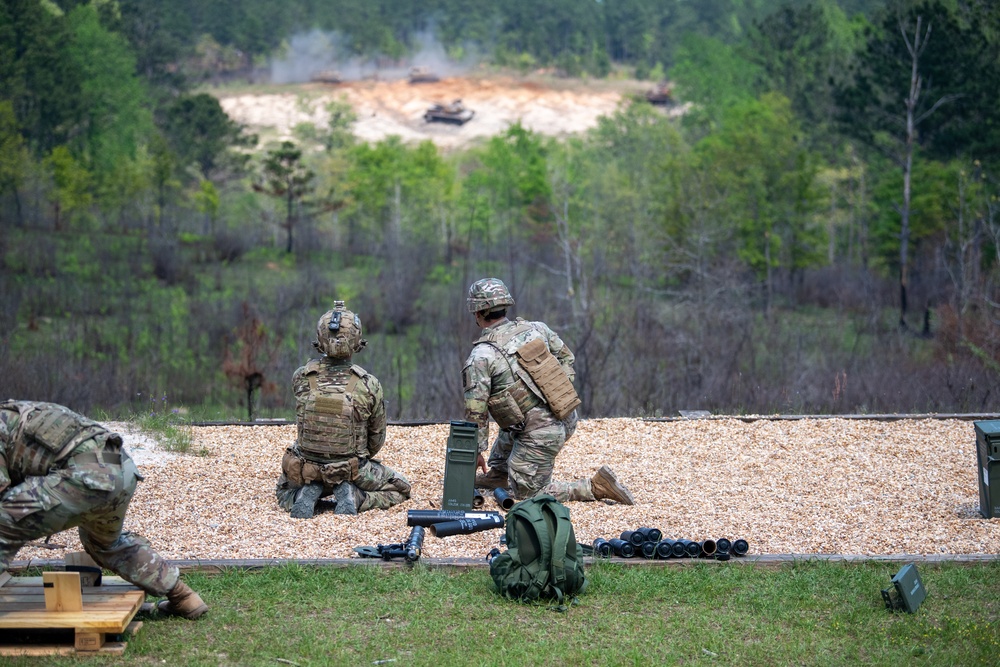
<point x="329" y="429"/>
<point x="45" y="434"/>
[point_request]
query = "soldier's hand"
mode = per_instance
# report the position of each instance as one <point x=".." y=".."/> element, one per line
<point x="481" y="463"/>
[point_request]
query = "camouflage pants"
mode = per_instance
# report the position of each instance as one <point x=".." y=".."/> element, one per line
<point x="94" y="498"/>
<point x="529" y="455"/>
<point x="383" y="486"/>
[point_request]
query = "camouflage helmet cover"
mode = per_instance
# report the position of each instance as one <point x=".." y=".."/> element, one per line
<point x="488" y="294"/>
<point x="338" y="333"/>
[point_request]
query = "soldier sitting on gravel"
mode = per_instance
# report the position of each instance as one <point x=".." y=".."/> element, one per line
<point x="521" y="374"/>
<point x="60" y="470"/>
<point x="341" y="422"/>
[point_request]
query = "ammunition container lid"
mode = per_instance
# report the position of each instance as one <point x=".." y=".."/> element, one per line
<point x="990" y="430"/>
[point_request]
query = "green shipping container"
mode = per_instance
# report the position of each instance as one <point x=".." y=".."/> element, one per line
<point x="460" y="466"/>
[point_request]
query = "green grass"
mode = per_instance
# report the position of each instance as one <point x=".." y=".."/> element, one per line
<point x="168" y="431"/>
<point x="703" y="614"/>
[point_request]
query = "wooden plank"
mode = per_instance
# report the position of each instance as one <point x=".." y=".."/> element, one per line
<point x="41" y="650"/>
<point x="62" y="591"/>
<point x="29" y="582"/>
<point x="95" y="621"/>
<point x="106" y="615"/>
<point x="4" y="578"/>
<point x="114" y="604"/>
<point x="37" y="595"/>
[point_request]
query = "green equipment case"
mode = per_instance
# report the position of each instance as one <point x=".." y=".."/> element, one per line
<point x="460" y="466"/>
<point x="907" y="590"/>
<point x="988" y="458"/>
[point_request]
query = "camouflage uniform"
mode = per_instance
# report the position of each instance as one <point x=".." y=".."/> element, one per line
<point x="527" y="452"/>
<point x="382" y="487"/>
<point x="60" y="470"/>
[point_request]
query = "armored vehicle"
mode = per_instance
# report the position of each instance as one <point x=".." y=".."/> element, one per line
<point x="326" y="76"/>
<point x="422" y="74"/>
<point x="660" y="95"/>
<point x="449" y="113"/>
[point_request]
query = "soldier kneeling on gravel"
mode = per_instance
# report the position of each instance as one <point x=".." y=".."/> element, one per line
<point x="60" y="470"/>
<point x="340" y="414"/>
<point x="521" y="373"/>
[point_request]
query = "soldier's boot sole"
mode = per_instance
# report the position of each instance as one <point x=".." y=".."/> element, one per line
<point x="606" y="486"/>
<point x="347" y="502"/>
<point x="305" y="501"/>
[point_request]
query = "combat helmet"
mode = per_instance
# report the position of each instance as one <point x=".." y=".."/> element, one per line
<point x="488" y="294"/>
<point x="338" y="333"/>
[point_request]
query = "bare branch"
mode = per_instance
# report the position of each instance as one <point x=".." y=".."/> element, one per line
<point x="943" y="100"/>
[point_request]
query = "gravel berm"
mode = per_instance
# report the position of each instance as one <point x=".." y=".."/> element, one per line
<point x="810" y="486"/>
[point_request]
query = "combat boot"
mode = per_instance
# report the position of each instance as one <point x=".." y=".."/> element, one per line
<point x="607" y="487"/>
<point x="494" y="479"/>
<point x="347" y="498"/>
<point x="305" y="501"/>
<point x="182" y="601"/>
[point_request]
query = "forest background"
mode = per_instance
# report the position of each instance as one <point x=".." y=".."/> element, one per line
<point x="818" y="233"/>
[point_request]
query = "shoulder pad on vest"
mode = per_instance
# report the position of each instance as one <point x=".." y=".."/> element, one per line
<point x="357" y="370"/>
<point x="312" y="366"/>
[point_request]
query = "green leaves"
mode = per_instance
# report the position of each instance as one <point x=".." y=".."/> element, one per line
<point x="758" y="162"/>
<point x="201" y="134"/>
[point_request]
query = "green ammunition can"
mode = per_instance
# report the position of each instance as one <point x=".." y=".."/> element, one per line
<point x="988" y="459"/>
<point x="460" y="466"/>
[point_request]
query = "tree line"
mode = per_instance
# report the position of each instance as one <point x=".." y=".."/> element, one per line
<point x="817" y="233"/>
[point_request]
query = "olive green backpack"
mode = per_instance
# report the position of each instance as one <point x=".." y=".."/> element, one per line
<point x="543" y="560"/>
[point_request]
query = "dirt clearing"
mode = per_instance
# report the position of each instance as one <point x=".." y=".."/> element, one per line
<point x="384" y="108"/>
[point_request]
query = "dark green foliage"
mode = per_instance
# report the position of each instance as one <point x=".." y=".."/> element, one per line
<point x="36" y="73"/>
<point x="201" y="133"/>
<point x="803" y="52"/>
<point x="959" y="76"/>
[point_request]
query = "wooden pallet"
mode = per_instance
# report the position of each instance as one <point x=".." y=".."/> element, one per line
<point x="27" y="628"/>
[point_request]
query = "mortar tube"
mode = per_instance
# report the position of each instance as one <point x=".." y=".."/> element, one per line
<point x="430" y="517"/>
<point x="723" y="545"/>
<point x="478" y="498"/>
<point x="648" y="549"/>
<point x="708" y="548"/>
<point x="414" y="545"/>
<point x="504" y="500"/>
<point x="465" y="526"/>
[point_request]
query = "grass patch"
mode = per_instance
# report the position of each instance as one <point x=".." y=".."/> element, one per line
<point x="803" y="614"/>
<point x="169" y="432"/>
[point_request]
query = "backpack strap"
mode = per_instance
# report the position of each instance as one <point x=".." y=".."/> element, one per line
<point x="560" y="544"/>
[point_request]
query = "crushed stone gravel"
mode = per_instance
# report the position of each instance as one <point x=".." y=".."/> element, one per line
<point x="810" y="486"/>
